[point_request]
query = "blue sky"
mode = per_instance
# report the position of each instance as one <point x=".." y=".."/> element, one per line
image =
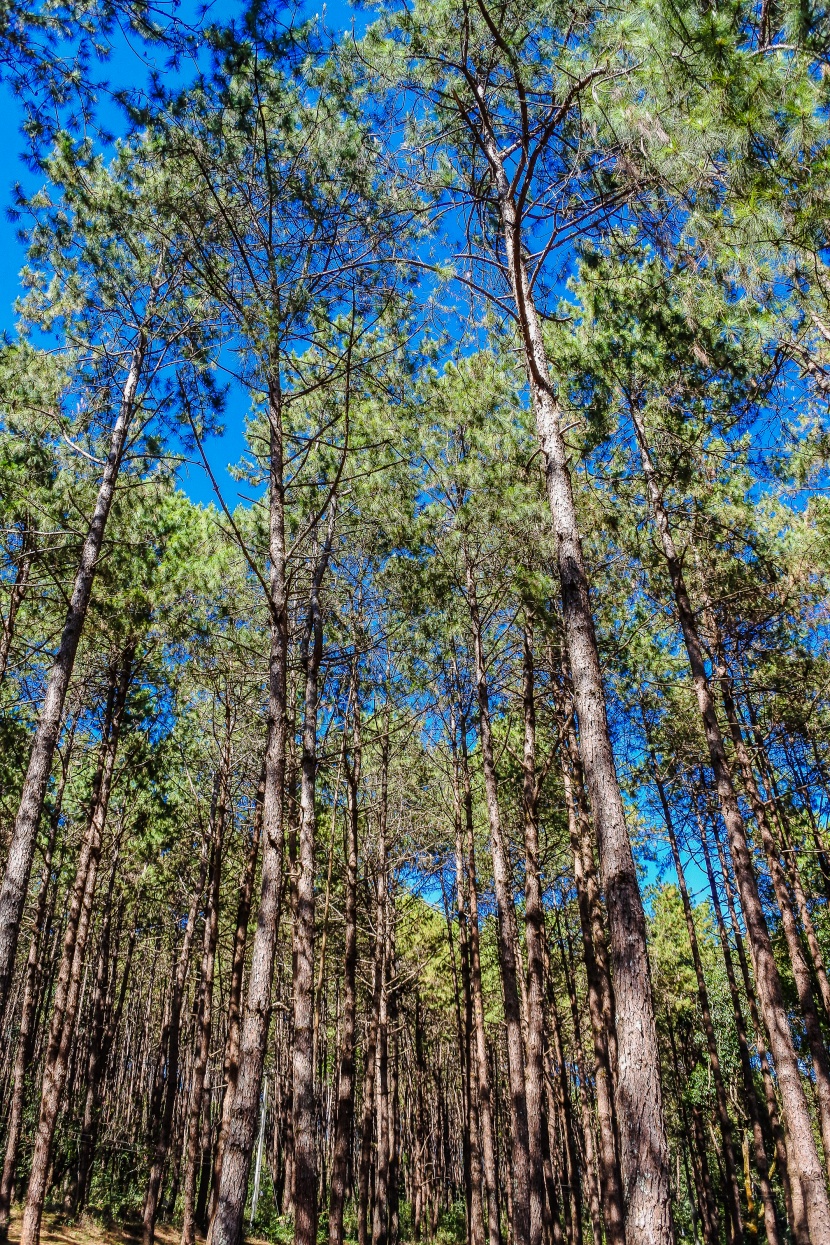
<point x="126" y="67"/>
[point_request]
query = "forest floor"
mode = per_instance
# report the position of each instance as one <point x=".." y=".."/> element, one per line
<point x="87" y="1231"/>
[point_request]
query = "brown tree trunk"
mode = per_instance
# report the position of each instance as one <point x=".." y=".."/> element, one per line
<point x="305" y="1147"/>
<point x="507" y="958"/>
<point x="204" y="1005"/>
<point x="380" y="1217"/>
<point x="169" y="1065"/>
<point x="485" y="1110"/>
<point x="70" y="976"/>
<point x="804" y="1165"/>
<point x="367" y="1124"/>
<point x="534" y="937"/>
<point x="600" y="1008"/>
<point x="346" y="1082"/>
<point x="644" y="1152"/>
<point x="733" y="1197"/>
<point x="21" y="849"/>
<point x="230" y="1063"/>
<point x="472" y="1148"/>
<point x="792" y="1196"/>
<point x="752" y="1104"/>
<point x="226" y="1228"/>
<point x="34" y="969"/>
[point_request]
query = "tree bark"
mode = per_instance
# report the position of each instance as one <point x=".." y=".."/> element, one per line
<point x="507" y="958"/>
<point x="485" y="1109"/>
<point x="230" y="1063"/>
<point x="226" y="1228"/>
<point x="305" y="1148"/>
<point x="204" y="1005"/>
<point x="25" y="1039"/>
<point x="169" y="1065"/>
<point x="21" y="849"/>
<point x="600" y="1009"/>
<point x="70" y="976"/>
<point x="752" y="1104"/>
<point x="346" y="1081"/>
<point x="804" y="1165"/>
<point x="733" y="1197"/>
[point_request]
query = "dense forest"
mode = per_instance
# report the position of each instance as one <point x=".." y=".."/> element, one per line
<point x="419" y="830"/>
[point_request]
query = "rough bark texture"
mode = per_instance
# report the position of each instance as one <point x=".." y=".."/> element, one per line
<point x="169" y="1065"/>
<point x="644" y="1153"/>
<point x="485" y="1107"/>
<point x="226" y="1228"/>
<point x="70" y="976"/>
<point x="804" y="1165"/>
<point x="204" y="1006"/>
<point x="733" y="1198"/>
<point x="231" y="1057"/>
<point x="33" y="794"/>
<point x="521" y="1221"/>
<point x="346" y="1084"/>
<point x="305" y="1145"/>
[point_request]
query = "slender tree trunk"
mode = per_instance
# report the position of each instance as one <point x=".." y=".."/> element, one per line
<point x="599" y="1006"/>
<point x="485" y="1110"/>
<point x="305" y="1147"/>
<point x="96" y="1070"/>
<point x="70" y="976"/>
<point x="380" y="1217"/>
<point x="346" y="1081"/>
<point x="204" y="1006"/>
<point x="169" y="1065"/>
<point x="507" y="958"/>
<point x="804" y="1164"/>
<point x="473" y="1172"/>
<point x="644" y="1152"/>
<point x="25" y="1040"/>
<point x="534" y="937"/>
<point x="367" y="1124"/>
<point x="230" y="1063"/>
<point x="21" y="849"/>
<point x="584" y="1102"/>
<point x="733" y="1197"/>
<point x="752" y="1104"/>
<point x="794" y="1200"/>
<point x="226" y="1228"/>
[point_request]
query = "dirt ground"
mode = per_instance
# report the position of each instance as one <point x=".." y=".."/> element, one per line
<point x="55" y="1231"/>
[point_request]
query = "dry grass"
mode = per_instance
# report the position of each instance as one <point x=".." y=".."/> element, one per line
<point x="56" y="1231"/>
<point x="87" y="1231"/>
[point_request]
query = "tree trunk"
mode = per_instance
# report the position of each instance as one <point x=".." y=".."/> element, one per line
<point x="485" y="1110"/>
<point x="71" y="973"/>
<point x="346" y="1080"/>
<point x="21" y="849"/>
<point x="204" y="1006"/>
<point x="169" y="1065"/>
<point x="305" y="1147"/>
<point x="752" y="1104"/>
<point x="600" y="1008"/>
<point x="534" y="937"/>
<point x="25" y="1039"/>
<point x="733" y="1197"/>
<point x="507" y="958"/>
<point x="644" y="1152"/>
<point x="230" y="1063"/>
<point x="804" y="1165"/>
<point x="226" y="1228"/>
